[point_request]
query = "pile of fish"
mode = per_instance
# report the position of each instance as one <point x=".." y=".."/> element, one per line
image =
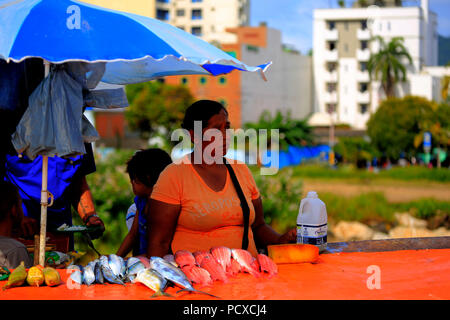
<point x="182" y="269"/>
<point x="219" y="263"/>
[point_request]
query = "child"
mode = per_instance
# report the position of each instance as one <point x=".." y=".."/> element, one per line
<point x="144" y="169"/>
<point x="12" y="252"/>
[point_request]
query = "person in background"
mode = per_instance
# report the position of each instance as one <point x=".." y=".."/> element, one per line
<point x="12" y="252"/>
<point x="144" y="169"/>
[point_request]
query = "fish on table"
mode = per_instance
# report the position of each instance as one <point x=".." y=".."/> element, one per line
<point x="152" y="279"/>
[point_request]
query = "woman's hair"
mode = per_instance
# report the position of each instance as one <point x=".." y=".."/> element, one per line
<point x="146" y="165"/>
<point x="10" y="197"/>
<point x="201" y="110"/>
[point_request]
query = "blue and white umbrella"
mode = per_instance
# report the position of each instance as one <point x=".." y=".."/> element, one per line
<point x="135" y="48"/>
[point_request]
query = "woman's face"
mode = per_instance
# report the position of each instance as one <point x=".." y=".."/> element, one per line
<point x="215" y="141"/>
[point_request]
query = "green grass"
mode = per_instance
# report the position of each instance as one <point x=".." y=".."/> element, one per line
<point x="349" y="172"/>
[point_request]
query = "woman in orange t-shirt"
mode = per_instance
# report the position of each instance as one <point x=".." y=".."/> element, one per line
<point x="194" y="205"/>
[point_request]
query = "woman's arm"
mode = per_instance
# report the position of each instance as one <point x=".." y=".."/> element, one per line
<point x="162" y="221"/>
<point x="264" y="234"/>
<point x="130" y="238"/>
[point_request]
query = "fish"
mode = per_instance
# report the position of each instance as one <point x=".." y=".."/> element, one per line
<point x="199" y="255"/>
<point x="255" y="264"/>
<point x="170" y="258"/>
<point x="98" y="272"/>
<point x="234" y="268"/>
<point x="133" y="270"/>
<point x="88" y="274"/>
<point x="210" y="264"/>
<point x="267" y="265"/>
<point x="17" y="277"/>
<point x="171" y="273"/>
<point x="222" y="255"/>
<point x="245" y="259"/>
<point x="76" y="276"/>
<point x="152" y="279"/>
<point x="184" y="258"/>
<point x="197" y="275"/>
<point x="75" y="267"/>
<point x="131" y="261"/>
<point x="108" y="274"/>
<point x="117" y="265"/>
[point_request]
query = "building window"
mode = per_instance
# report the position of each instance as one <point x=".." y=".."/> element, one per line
<point x="196" y="14"/>
<point x="363" y="66"/>
<point x="184" y="80"/>
<point x="203" y="81"/>
<point x="222" y="80"/>
<point x="331" y="25"/>
<point x="162" y="14"/>
<point x="364" y="45"/>
<point x="331" y="45"/>
<point x="346" y="47"/>
<point x="331" y="66"/>
<point x="180" y="12"/>
<point x="363" y="87"/>
<point x="331" y="87"/>
<point x="389" y="26"/>
<point x="363" y="108"/>
<point x="346" y="26"/>
<point x="364" y="24"/>
<point x="196" y="31"/>
<point x="331" y="107"/>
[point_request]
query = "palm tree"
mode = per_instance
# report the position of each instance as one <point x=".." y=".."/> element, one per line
<point x="387" y="64"/>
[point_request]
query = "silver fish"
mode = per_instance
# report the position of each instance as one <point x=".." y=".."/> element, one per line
<point x="117" y="266"/>
<point x="131" y="261"/>
<point x="171" y="273"/>
<point x="98" y="272"/>
<point x="77" y="276"/>
<point x="75" y="267"/>
<point x="152" y="279"/>
<point x="107" y="272"/>
<point x="171" y="259"/>
<point x="133" y="270"/>
<point x="88" y="275"/>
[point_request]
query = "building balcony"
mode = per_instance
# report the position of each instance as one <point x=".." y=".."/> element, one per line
<point x="331" y="35"/>
<point x="363" y="97"/>
<point x="363" y="55"/>
<point x="330" y="76"/>
<point x="362" y="76"/>
<point x="331" y="55"/>
<point x="363" y="34"/>
<point x="330" y="97"/>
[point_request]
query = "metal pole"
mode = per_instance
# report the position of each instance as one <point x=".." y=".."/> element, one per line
<point x="44" y="197"/>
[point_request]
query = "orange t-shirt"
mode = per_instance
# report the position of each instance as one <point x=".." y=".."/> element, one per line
<point x="207" y="218"/>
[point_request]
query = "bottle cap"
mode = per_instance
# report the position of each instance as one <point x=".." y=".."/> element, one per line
<point x="312" y="194"/>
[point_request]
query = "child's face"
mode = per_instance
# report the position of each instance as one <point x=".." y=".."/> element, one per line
<point x="140" y="189"/>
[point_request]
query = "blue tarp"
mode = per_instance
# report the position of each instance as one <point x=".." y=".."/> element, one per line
<point x="296" y="155"/>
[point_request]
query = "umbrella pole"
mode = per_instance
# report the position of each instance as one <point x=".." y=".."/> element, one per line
<point x="44" y="197"/>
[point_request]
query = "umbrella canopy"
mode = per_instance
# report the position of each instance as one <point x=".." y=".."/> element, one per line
<point x="136" y="48"/>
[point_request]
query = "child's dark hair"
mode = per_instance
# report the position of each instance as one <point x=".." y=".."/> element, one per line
<point x="201" y="110"/>
<point x="10" y="197"/>
<point x="146" y="165"/>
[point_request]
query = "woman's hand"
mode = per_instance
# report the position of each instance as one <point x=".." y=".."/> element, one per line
<point x="288" y="237"/>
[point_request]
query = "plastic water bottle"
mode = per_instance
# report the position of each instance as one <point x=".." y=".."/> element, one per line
<point x="312" y="221"/>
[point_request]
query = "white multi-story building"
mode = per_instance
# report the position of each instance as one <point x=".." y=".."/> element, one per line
<point x="207" y="19"/>
<point x="342" y="48"/>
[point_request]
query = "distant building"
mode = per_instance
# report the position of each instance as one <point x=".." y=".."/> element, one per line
<point x="246" y="95"/>
<point x="342" y="48"/>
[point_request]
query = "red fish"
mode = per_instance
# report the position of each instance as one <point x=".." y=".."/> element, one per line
<point x="184" y="258"/>
<point x="245" y="259"/>
<point x="267" y="265"/>
<point x="234" y="268"/>
<point x="222" y="255"/>
<point x="197" y="275"/>
<point x="255" y="265"/>
<point x="214" y="268"/>
<point x="199" y="255"/>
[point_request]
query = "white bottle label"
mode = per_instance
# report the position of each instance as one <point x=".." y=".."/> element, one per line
<point x="316" y="235"/>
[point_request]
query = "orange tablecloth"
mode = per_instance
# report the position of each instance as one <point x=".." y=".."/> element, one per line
<point x="421" y="274"/>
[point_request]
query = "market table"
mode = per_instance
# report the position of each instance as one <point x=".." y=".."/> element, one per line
<point x="401" y="274"/>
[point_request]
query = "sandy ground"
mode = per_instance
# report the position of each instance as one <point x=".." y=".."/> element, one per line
<point x="394" y="191"/>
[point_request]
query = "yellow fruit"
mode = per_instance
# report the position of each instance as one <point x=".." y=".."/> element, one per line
<point x="35" y="276"/>
<point x="51" y="277"/>
<point x="17" y="277"/>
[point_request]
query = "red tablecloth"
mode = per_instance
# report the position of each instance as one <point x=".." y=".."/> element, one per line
<point x="411" y="274"/>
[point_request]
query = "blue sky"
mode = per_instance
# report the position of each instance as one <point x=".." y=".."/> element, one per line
<point x="294" y="17"/>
